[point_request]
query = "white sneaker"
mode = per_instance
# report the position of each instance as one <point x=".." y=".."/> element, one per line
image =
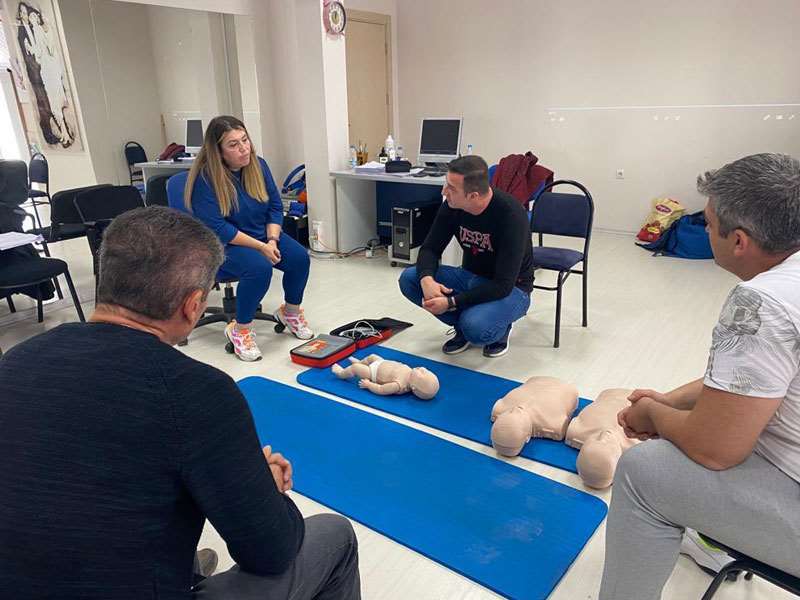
<point x="708" y="557"/>
<point x="244" y="342"/>
<point x="296" y="322"/>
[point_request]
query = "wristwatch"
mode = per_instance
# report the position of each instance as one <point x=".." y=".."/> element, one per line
<point x="451" y="304"/>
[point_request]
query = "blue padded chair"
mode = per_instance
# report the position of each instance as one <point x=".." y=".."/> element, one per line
<point x="175" y="185"/>
<point x="742" y="563"/>
<point x="571" y="215"/>
<point x="214" y="314"/>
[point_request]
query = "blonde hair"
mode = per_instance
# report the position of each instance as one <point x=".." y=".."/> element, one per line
<point x="210" y="165"/>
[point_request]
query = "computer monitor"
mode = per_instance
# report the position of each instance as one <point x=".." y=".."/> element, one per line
<point x="439" y="140"/>
<point x="194" y="135"/>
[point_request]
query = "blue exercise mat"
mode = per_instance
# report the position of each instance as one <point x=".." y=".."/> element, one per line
<point x="505" y="528"/>
<point x="462" y="407"/>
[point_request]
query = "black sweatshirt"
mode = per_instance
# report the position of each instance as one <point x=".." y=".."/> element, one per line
<point x="115" y="448"/>
<point x="496" y="243"/>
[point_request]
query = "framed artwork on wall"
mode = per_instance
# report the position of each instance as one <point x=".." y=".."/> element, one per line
<point x="37" y="43"/>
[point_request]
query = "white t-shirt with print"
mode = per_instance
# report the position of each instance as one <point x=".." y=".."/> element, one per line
<point x="755" y="351"/>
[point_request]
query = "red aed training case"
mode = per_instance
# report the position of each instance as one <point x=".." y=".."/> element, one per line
<point x="322" y="351"/>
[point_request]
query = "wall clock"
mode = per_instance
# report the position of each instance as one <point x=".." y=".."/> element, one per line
<point x="334" y="17"/>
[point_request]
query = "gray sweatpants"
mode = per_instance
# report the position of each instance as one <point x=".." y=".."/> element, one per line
<point x="325" y="569"/>
<point x="658" y="491"/>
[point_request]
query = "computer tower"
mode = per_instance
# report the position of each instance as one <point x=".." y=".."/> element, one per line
<point x="410" y="225"/>
<point x="389" y="194"/>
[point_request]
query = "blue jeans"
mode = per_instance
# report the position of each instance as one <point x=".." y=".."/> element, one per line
<point x="480" y="324"/>
<point x="254" y="272"/>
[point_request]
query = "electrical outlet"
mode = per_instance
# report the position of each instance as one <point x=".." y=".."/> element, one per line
<point x="315" y="236"/>
<point x="620" y="173"/>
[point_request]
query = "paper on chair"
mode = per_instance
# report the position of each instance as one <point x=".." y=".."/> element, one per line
<point x="13" y="239"/>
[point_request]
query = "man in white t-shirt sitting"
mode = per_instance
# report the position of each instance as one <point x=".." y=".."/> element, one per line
<point x="728" y="459"/>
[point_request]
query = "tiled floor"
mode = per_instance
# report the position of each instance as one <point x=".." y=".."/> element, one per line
<point x="650" y="322"/>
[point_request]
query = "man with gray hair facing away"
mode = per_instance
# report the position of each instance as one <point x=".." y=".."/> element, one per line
<point x="727" y="463"/>
<point x="117" y="447"/>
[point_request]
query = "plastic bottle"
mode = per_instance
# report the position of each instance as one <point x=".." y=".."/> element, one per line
<point x="383" y="158"/>
<point x="389" y="146"/>
<point x="400" y="153"/>
<point x="353" y="157"/>
<point x="469" y="149"/>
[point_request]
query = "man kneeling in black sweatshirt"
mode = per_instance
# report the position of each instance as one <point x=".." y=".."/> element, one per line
<point x="492" y="288"/>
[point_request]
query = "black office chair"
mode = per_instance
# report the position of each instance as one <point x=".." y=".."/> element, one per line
<point x="22" y="270"/>
<point x="134" y="153"/>
<point x="214" y="314"/>
<point x="98" y="207"/>
<point x="156" y="194"/>
<point x="38" y="173"/>
<point x="749" y="566"/>
<point x="14" y="187"/>
<point x="26" y="274"/>
<point x="569" y="215"/>
<point x="14" y="197"/>
<point x="65" y="222"/>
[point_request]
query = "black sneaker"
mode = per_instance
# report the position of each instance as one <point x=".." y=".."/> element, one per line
<point x="457" y="343"/>
<point x="499" y="347"/>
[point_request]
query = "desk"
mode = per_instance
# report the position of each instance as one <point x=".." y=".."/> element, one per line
<point x="162" y="168"/>
<point x="356" y="213"/>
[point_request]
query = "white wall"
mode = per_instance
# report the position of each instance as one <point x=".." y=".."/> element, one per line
<point x="191" y="68"/>
<point x="502" y="71"/>
<point x="246" y="58"/>
<point x="170" y="32"/>
<point x="281" y="86"/>
<point x="323" y="113"/>
<point x="231" y="7"/>
<point x="111" y="59"/>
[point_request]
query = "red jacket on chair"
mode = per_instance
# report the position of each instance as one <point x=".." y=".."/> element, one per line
<point x="520" y="176"/>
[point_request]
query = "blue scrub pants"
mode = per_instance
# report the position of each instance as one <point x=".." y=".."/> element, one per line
<point x="254" y="272"/>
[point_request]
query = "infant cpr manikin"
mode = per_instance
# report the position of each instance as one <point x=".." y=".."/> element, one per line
<point x="388" y="377"/>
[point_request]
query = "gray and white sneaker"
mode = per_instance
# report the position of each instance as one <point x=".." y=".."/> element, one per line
<point x="707" y="556"/>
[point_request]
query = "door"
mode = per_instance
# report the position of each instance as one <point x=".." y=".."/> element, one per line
<point x="368" y="80"/>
